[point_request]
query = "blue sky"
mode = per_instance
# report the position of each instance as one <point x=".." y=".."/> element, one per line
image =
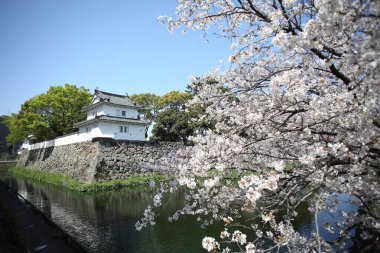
<point x="116" y="45"/>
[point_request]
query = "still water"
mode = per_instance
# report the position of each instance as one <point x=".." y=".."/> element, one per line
<point x="105" y="222"/>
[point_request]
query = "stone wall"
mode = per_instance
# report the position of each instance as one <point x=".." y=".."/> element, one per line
<point x="100" y="159"/>
<point x="122" y="159"/>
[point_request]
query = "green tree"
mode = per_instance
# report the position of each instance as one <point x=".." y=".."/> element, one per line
<point x="17" y="130"/>
<point x="150" y="108"/>
<point x="173" y="124"/>
<point x="174" y="99"/>
<point x="49" y="115"/>
<point x="179" y="119"/>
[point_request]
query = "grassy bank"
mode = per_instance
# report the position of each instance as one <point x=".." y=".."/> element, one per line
<point x="76" y="185"/>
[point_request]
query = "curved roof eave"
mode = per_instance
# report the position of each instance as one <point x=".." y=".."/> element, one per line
<point x="105" y="118"/>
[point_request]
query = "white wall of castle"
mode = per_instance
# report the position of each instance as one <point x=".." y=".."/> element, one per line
<point x="112" y="110"/>
<point x="60" y="141"/>
<point x="112" y="130"/>
<point x="101" y="129"/>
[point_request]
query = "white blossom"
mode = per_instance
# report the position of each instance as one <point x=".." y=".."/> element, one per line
<point x="226" y="250"/>
<point x="224" y="234"/>
<point x="239" y="237"/>
<point x="267" y="217"/>
<point x="209" y="244"/>
<point x="271" y="183"/>
<point x="209" y="183"/>
<point x="250" y="248"/>
<point x="252" y="195"/>
<point x="278" y="165"/>
<point x="228" y="220"/>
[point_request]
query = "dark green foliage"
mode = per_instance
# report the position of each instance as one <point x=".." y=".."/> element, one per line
<point x="173" y="124"/>
<point x="4" y="131"/>
<point x="179" y="120"/>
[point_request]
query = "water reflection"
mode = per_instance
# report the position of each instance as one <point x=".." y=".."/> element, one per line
<point x="105" y="222"/>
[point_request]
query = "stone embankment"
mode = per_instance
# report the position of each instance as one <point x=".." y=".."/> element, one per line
<point x="100" y="159"/>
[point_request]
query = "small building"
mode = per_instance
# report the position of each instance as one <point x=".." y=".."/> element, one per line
<point x="112" y="116"/>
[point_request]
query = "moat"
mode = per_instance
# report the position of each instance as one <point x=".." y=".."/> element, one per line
<point x="105" y="222"/>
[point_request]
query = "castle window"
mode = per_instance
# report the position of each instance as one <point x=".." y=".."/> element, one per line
<point x="123" y="129"/>
<point x="123" y="113"/>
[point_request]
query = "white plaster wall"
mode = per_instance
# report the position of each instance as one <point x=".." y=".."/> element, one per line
<point x="101" y="110"/>
<point x="97" y="111"/>
<point x="111" y="130"/>
<point x="132" y="113"/>
<point x="60" y="141"/>
<point x="111" y="111"/>
<point x="103" y="129"/>
<point x="135" y="133"/>
<point x="108" y="110"/>
<point x="91" y="113"/>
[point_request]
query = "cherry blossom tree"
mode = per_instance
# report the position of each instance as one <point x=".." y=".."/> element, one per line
<point x="297" y="120"/>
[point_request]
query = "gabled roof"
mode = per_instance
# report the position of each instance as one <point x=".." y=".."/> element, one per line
<point x="102" y="97"/>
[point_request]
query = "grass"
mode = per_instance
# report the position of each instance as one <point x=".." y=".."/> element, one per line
<point x="76" y="185"/>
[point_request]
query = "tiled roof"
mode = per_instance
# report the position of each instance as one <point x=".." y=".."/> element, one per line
<point x="106" y="118"/>
<point x="114" y="98"/>
<point x="110" y="98"/>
